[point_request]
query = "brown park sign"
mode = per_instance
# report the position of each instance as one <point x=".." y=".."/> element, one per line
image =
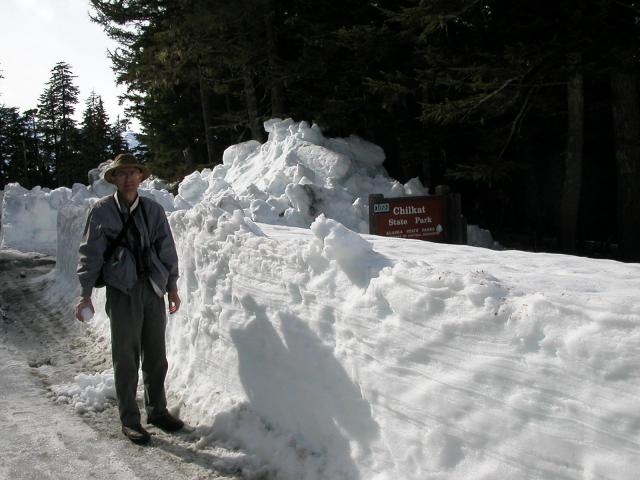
<point x="435" y="218"/>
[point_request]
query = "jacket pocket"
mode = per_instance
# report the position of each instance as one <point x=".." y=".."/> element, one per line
<point x="160" y="274"/>
<point x="120" y="271"/>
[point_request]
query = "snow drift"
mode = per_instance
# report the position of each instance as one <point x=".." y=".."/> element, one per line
<point x="29" y="218"/>
<point x="330" y="354"/>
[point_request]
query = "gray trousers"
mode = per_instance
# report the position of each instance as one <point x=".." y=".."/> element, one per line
<point x="138" y="323"/>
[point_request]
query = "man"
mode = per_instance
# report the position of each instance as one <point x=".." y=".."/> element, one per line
<point x="141" y="267"/>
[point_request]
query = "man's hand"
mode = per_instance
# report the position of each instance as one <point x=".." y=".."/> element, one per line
<point x="85" y="302"/>
<point x="174" y="302"/>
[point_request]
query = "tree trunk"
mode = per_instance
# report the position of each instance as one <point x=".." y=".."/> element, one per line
<point x="534" y="203"/>
<point x="27" y="183"/>
<point x="626" y="128"/>
<point x="188" y="159"/>
<point x="66" y="166"/>
<point x="573" y="160"/>
<point x="39" y="164"/>
<point x="277" y="87"/>
<point x="56" y="158"/>
<point x="206" y="121"/>
<point x="4" y="177"/>
<point x="252" y="105"/>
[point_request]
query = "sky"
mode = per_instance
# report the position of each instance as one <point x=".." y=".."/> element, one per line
<point x="37" y="34"/>
<point x="325" y="353"/>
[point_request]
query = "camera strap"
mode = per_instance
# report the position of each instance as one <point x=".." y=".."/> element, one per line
<point x="111" y="248"/>
<point x="143" y="260"/>
<point x="146" y="220"/>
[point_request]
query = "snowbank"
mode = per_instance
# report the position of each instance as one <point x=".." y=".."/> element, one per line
<point x="329" y="354"/>
<point x="29" y="218"/>
<point x="332" y="355"/>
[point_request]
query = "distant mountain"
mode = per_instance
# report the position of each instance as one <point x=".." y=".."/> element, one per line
<point x="132" y="139"/>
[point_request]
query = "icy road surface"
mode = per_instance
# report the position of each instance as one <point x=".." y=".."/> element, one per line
<point x="41" y="345"/>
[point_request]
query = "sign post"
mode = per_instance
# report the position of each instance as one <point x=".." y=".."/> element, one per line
<point x="436" y="218"/>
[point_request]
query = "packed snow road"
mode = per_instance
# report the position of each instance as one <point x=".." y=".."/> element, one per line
<point x="42" y="345"/>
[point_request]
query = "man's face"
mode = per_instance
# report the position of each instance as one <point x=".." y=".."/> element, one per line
<point x="127" y="179"/>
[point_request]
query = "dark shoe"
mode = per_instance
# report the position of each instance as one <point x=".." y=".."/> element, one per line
<point x="167" y="422"/>
<point x="137" y="434"/>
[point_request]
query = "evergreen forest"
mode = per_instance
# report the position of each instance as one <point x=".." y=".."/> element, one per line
<point x="46" y="146"/>
<point x="530" y="110"/>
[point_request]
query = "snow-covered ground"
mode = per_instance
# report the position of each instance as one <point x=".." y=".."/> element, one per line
<point x="332" y="354"/>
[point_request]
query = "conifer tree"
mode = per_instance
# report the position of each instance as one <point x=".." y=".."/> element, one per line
<point x="621" y="33"/>
<point x="48" y="133"/>
<point x="160" y="83"/>
<point x="95" y="134"/>
<point x="494" y="97"/>
<point x="496" y="81"/>
<point x="56" y="108"/>
<point x="116" y="137"/>
<point x="14" y="165"/>
<point x="41" y="175"/>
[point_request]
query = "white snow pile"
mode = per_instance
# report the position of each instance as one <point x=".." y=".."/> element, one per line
<point x="29" y="218"/>
<point x="89" y="393"/>
<point x="329" y="354"/>
<point x="335" y="355"/>
<point x="296" y="175"/>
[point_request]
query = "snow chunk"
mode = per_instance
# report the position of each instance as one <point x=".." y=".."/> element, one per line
<point x="354" y="255"/>
<point x="89" y="393"/>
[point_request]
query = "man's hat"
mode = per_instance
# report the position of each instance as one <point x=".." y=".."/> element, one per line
<point x="126" y="160"/>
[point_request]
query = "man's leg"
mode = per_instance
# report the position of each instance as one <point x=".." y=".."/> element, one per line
<point x="125" y="314"/>
<point x="154" y="356"/>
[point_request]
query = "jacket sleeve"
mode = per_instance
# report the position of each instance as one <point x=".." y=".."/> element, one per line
<point x="166" y="250"/>
<point x="91" y="253"/>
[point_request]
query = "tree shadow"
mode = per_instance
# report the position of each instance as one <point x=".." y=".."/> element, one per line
<point x="296" y="383"/>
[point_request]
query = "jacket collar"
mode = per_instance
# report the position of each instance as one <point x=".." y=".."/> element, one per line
<point x="133" y="206"/>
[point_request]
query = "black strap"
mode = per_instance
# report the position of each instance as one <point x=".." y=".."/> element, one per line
<point x="111" y="248"/>
<point x="146" y="220"/>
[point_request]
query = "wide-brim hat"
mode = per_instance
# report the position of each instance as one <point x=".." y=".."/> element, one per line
<point x="126" y="160"/>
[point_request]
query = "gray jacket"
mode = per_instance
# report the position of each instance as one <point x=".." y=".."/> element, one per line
<point x="104" y="223"/>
